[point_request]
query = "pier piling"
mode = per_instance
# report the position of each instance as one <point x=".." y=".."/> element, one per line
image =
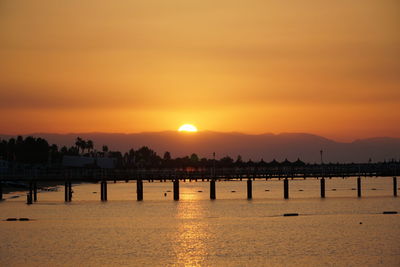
<point x="67" y="191"/>
<point x="359" y="186"/>
<point x="139" y="189"/>
<point x="286" y="188"/>
<point x="212" y="189"/>
<point x="395" y="186"/>
<point x="249" y="189"/>
<point x="29" y="198"/>
<point x="103" y="189"/>
<point x="322" y="187"/>
<point x="176" y="189"/>
<point x="1" y="191"/>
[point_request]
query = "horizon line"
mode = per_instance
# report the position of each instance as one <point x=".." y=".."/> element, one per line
<point x="199" y="132"/>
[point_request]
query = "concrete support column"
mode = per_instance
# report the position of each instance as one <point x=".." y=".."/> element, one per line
<point x="212" y="189"/>
<point x="29" y="198"/>
<point x="103" y="189"/>
<point x="286" y="188"/>
<point x="68" y="191"/>
<point x="176" y="189"/>
<point x="322" y="187"/>
<point x="395" y="186"/>
<point x="139" y="189"/>
<point x="359" y="186"/>
<point x="249" y="189"/>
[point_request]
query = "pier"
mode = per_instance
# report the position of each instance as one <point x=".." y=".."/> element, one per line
<point x="103" y="176"/>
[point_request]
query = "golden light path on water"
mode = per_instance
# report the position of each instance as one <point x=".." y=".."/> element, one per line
<point x="191" y="244"/>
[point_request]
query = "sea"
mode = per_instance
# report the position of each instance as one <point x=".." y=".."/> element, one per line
<point x="339" y="230"/>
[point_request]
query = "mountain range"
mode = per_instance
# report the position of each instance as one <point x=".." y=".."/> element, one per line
<point x="282" y="146"/>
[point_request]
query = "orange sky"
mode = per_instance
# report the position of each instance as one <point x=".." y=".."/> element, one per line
<point x="325" y="67"/>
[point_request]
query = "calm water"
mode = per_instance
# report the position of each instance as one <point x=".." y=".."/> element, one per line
<point x="195" y="231"/>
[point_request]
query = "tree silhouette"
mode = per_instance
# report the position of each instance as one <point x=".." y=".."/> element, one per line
<point x="31" y="151"/>
<point x="167" y="156"/>
<point x="145" y="157"/>
<point x="239" y="161"/>
<point x="80" y="144"/>
<point x="194" y="158"/>
<point x="89" y="145"/>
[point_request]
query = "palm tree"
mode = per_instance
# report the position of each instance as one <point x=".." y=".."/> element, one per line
<point x="89" y="145"/>
<point x="80" y="144"/>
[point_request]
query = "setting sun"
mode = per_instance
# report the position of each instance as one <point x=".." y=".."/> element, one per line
<point x="188" y="128"/>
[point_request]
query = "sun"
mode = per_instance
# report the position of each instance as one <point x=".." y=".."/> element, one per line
<point x="188" y="128"/>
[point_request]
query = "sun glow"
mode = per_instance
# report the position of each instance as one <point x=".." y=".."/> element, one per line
<point x="188" y="128"/>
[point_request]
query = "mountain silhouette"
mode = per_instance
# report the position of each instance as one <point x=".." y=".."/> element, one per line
<point x="255" y="147"/>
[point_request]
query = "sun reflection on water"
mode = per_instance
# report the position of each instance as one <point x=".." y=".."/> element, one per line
<point x="190" y="246"/>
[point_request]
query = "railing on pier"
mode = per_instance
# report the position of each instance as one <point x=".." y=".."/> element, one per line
<point x="307" y="171"/>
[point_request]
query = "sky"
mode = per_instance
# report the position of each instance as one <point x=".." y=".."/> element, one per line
<point x="330" y="68"/>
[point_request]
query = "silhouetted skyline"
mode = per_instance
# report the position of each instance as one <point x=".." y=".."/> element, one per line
<point x="268" y="147"/>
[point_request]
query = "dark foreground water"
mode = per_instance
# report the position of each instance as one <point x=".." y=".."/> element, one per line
<point x="340" y="230"/>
